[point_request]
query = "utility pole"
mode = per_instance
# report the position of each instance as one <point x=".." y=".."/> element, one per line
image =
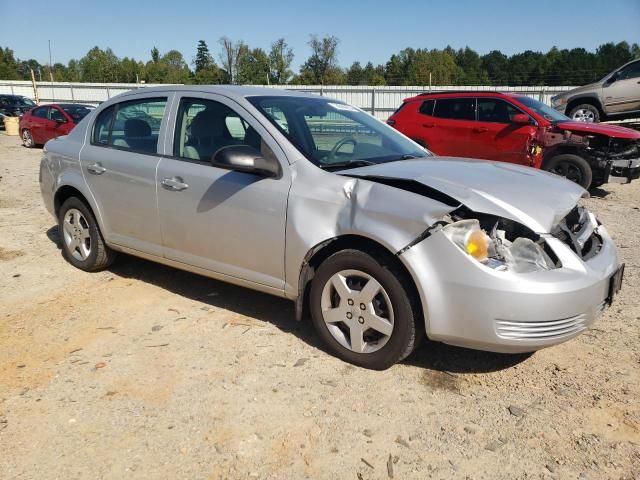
<point x="35" y="88"/>
<point x="50" y="64"/>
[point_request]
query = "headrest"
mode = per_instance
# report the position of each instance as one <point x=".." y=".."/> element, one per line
<point x="134" y="127"/>
<point x="207" y="123"/>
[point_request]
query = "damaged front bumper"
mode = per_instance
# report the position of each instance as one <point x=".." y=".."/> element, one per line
<point x="470" y="305"/>
<point x="624" y="171"/>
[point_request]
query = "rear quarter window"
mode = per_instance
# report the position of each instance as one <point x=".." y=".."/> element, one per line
<point x="102" y="126"/>
<point x="426" y="108"/>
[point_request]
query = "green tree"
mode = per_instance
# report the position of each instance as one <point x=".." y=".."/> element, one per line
<point x="8" y="65"/>
<point x="280" y="58"/>
<point x="496" y="64"/>
<point x="355" y="74"/>
<point x="100" y="66"/>
<point x="471" y="71"/>
<point x="322" y="66"/>
<point x="253" y="66"/>
<point x="203" y="58"/>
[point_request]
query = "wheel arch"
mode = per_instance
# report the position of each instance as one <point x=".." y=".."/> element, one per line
<point x="561" y="150"/>
<point x="323" y="250"/>
<point x="68" y="190"/>
<point x="589" y="99"/>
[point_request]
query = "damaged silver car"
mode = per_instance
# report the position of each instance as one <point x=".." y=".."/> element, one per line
<point x="314" y="200"/>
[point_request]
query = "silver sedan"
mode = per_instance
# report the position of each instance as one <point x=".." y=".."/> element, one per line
<point x="313" y="200"/>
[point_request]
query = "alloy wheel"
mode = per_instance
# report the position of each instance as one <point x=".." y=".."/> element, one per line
<point x="27" y="139"/>
<point x="569" y="171"/>
<point x="77" y="236"/>
<point x="584" y="115"/>
<point x="357" y="311"/>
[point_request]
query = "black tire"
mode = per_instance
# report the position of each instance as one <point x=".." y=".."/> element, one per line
<point x="572" y="167"/>
<point x="591" y="109"/>
<point x="27" y="138"/>
<point x="408" y="328"/>
<point x="100" y="256"/>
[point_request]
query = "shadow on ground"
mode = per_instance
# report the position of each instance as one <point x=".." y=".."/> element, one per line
<point x="280" y="312"/>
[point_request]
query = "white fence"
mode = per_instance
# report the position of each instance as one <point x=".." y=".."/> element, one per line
<point x="379" y="101"/>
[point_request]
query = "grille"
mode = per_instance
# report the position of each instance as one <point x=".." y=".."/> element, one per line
<point x="514" y="330"/>
<point x="579" y="231"/>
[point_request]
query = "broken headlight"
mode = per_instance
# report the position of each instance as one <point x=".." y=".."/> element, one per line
<point x="522" y="255"/>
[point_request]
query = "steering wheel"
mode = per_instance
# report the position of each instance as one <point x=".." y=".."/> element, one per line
<point x="343" y="141"/>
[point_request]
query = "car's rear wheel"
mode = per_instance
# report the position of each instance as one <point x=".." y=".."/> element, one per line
<point x="585" y="112"/>
<point x="27" y="139"/>
<point x="572" y="167"/>
<point x="82" y="241"/>
<point x="362" y="310"/>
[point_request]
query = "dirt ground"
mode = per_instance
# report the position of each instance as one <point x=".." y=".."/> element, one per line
<point x="143" y="371"/>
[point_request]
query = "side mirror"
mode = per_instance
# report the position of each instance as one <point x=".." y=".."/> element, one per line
<point x="612" y="79"/>
<point x="520" y="118"/>
<point x="243" y="158"/>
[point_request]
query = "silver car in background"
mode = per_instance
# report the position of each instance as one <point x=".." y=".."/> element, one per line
<point x="313" y="200"/>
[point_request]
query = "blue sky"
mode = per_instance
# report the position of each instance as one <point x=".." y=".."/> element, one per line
<point x="367" y="30"/>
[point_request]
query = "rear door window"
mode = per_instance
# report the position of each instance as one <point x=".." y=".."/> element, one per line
<point x="133" y="126"/>
<point x="455" y="108"/>
<point x="56" y="115"/>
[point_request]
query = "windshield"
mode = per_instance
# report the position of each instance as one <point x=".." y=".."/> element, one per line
<point x="333" y="134"/>
<point x="541" y="109"/>
<point x="22" y="101"/>
<point x="77" y="112"/>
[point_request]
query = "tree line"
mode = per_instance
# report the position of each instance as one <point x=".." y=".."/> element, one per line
<point x="238" y="63"/>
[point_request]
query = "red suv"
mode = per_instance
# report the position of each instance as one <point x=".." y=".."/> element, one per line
<point x="41" y="124"/>
<point x="518" y="129"/>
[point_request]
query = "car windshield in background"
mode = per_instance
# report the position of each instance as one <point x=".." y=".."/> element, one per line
<point x="335" y="135"/>
<point x="542" y="109"/>
<point x="25" y="102"/>
<point x="77" y="112"/>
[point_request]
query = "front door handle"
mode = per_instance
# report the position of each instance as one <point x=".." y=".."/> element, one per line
<point x="174" y="183"/>
<point x="96" y="169"/>
<point x="480" y="130"/>
<point x="428" y="125"/>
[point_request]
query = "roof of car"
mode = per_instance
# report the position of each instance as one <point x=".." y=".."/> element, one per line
<point x="227" y="90"/>
<point x="462" y="93"/>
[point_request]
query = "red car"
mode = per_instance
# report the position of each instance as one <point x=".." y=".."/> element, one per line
<point x="518" y="129"/>
<point x="41" y="124"/>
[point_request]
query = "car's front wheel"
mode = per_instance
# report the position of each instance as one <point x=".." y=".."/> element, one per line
<point x="585" y="113"/>
<point x="362" y="310"/>
<point x="82" y="241"/>
<point x="27" y="139"/>
<point x="572" y="167"/>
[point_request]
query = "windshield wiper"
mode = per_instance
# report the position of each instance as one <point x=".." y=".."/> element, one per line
<point x="345" y="165"/>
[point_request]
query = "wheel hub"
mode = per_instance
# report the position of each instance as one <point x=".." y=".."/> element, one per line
<point x="357" y="311"/>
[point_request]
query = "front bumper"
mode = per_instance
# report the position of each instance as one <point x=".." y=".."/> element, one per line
<point x="469" y="305"/>
<point x="624" y="171"/>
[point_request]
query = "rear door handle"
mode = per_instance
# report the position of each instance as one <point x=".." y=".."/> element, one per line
<point x="480" y="130"/>
<point x="174" y="183"/>
<point x="96" y="169"/>
<point x="428" y="125"/>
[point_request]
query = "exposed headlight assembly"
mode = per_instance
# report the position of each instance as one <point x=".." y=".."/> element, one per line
<point x="557" y="101"/>
<point x="521" y="255"/>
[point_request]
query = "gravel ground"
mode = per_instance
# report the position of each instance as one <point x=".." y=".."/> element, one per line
<point x="143" y="371"/>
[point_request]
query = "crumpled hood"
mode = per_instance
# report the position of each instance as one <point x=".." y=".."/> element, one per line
<point x="534" y="198"/>
<point x="598" y="128"/>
